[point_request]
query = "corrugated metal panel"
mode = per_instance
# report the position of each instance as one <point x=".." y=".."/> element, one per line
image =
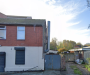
<point x="52" y="62"/>
<point x="70" y="57"/>
<point x="48" y="62"/>
<point x="20" y="57"/>
<point x="2" y="61"/>
<point x="86" y="55"/>
<point x="56" y="62"/>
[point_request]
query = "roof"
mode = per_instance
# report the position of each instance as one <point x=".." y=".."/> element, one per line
<point x="14" y="21"/>
<point x="77" y="46"/>
<point x="24" y="17"/>
<point x="52" y="51"/>
<point x="86" y="48"/>
<point x="80" y="49"/>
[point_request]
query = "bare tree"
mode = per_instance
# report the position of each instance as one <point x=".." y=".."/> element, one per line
<point x="89" y="26"/>
<point x="88" y="3"/>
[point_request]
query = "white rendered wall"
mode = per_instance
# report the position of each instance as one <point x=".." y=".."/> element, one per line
<point x="33" y="59"/>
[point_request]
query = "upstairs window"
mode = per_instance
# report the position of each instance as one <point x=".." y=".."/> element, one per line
<point x="20" y="33"/>
<point x="2" y="32"/>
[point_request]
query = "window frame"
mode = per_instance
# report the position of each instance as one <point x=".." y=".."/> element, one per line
<point x="5" y="32"/>
<point x="20" y="30"/>
<point x="15" y="57"/>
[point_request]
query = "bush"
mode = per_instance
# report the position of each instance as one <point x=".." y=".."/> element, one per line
<point x="83" y="62"/>
<point x="61" y="50"/>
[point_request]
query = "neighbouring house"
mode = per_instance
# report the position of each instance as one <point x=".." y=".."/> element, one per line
<point x="86" y="53"/>
<point x="81" y="53"/>
<point x="78" y="53"/>
<point x="77" y="46"/>
<point x="23" y="42"/>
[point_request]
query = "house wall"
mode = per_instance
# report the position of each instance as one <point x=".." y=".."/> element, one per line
<point x="33" y="37"/>
<point x="33" y="59"/>
<point x="2" y="15"/>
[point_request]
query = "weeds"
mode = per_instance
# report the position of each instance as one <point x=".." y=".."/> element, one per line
<point x="76" y="70"/>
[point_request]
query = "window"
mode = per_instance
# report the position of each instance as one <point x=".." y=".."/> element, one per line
<point x="20" y="57"/>
<point x="20" y="33"/>
<point x="2" y="32"/>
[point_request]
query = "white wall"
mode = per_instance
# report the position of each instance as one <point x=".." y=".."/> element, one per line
<point x="33" y="59"/>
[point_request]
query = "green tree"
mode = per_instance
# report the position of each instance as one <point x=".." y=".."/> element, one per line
<point x="61" y="50"/>
<point x="53" y="44"/>
<point x="79" y="44"/>
<point x="60" y="45"/>
<point x="66" y="44"/>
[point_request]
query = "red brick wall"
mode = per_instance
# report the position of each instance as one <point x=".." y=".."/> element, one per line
<point x="32" y="38"/>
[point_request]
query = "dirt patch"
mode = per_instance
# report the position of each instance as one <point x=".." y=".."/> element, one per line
<point x="70" y="71"/>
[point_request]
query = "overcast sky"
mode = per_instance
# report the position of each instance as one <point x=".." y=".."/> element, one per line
<point x="69" y="18"/>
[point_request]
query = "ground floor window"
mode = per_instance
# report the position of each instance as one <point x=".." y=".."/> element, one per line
<point x="20" y="57"/>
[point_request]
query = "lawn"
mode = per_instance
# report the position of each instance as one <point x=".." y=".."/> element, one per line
<point x="76" y="70"/>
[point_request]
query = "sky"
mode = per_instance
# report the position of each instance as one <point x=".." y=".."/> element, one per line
<point x="69" y="18"/>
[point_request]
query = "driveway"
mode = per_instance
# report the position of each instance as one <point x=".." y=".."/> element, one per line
<point x="47" y="72"/>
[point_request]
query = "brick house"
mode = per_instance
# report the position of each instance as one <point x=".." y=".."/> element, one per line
<point x="23" y="41"/>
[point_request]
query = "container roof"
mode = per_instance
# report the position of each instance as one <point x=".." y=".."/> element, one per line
<point x="86" y="48"/>
<point x="80" y="49"/>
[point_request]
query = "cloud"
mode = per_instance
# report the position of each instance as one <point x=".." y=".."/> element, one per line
<point x="59" y="12"/>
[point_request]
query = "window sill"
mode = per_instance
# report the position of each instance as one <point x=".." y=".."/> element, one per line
<point x="2" y="39"/>
<point x="21" y="39"/>
<point x="19" y="64"/>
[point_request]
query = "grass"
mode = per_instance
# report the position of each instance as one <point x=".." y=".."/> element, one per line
<point x="76" y="70"/>
<point x="87" y="67"/>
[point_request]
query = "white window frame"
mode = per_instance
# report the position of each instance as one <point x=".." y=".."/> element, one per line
<point x="3" y="29"/>
<point x="20" y="30"/>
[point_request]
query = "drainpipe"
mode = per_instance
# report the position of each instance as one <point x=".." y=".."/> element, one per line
<point x="48" y="44"/>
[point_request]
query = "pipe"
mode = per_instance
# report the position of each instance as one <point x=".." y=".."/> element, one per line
<point x="48" y="44"/>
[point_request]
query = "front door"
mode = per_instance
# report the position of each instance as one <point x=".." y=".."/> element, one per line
<point x="2" y="61"/>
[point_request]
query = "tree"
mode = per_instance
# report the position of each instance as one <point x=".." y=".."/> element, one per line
<point x="79" y="44"/>
<point x="88" y="3"/>
<point x="87" y="44"/>
<point x="66" y="44"/>
<point x="60" y="45"/>
<point x="53" y="44"/>
<point x="89" y="26"/>
<point x="61" y="50"/>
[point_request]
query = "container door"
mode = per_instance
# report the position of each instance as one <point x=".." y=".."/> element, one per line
<point x="48" y="62"/>
<point x="56" y="62"/>
<point x="52" y="62"/>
